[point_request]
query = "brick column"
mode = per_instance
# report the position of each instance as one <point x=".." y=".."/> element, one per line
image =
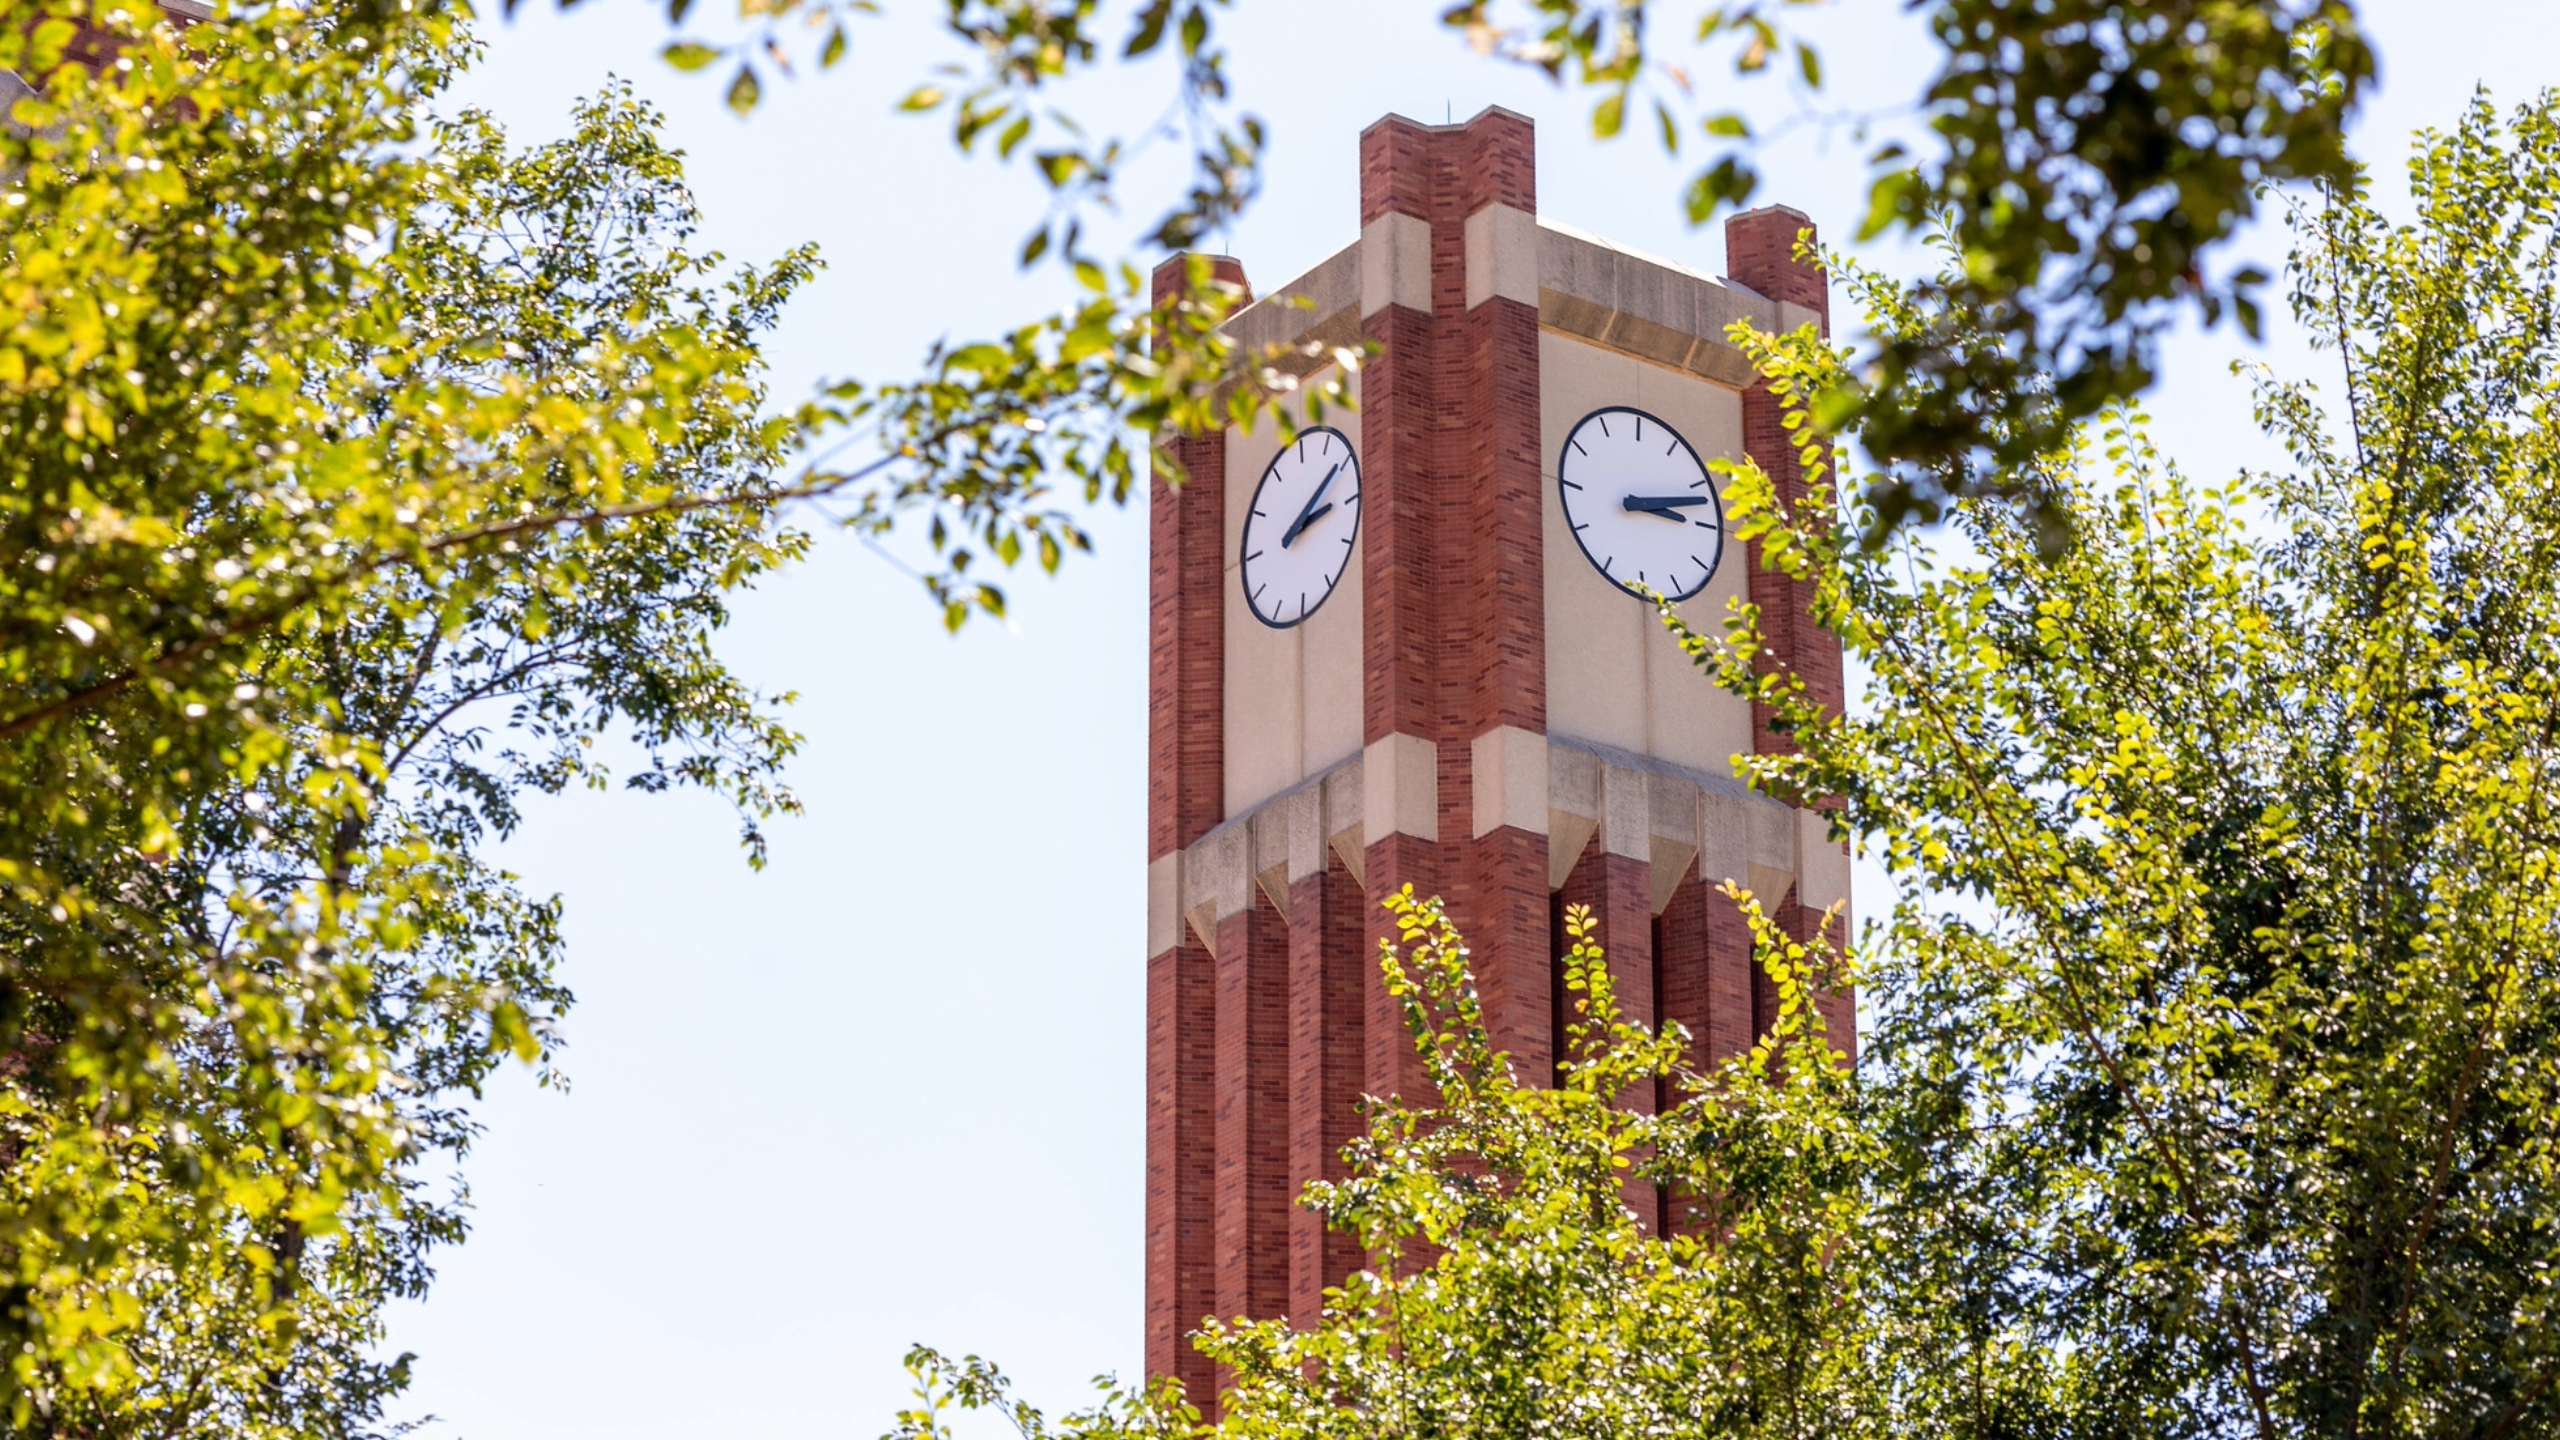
<point x="1253" y="1190"/>
<point x="1185" y="792"/>
<point x="1182" y="1016"/>
<point x="1619" y="890"/>
<point x="1330" y="976"/>
<point x="1760" y="255"/>
<point x="1454" y="570"/>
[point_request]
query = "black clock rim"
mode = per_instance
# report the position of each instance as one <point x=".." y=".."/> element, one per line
<point x="1712" y="498"/>
<point x="1255" y="503"/>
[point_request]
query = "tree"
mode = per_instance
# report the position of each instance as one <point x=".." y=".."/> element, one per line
<point x="2209" y="1084"/>
<point x="365" y="475"/>
<point x="319" y="419"/>
<point x="2216" y="1045"/>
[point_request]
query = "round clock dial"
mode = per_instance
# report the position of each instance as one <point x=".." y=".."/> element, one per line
<point x="1297" y="536"/>
<point x="1639" y="501"/>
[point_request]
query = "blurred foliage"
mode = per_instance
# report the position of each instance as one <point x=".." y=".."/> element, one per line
<point x="2084" y="157"/>
<point x="2209" y="1083"/>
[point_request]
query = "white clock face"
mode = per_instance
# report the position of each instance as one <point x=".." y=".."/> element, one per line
<point x="1640" y="503"/>
<point x="1297" y="536"/>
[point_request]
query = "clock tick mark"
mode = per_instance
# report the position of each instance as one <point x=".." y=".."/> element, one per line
<point x="1576" y="444"/>
<point x="1569" y="485"/>
<point x="1604" y="423"/>
<point x="1667" y="449"/>
<point x="1639" y="427"/>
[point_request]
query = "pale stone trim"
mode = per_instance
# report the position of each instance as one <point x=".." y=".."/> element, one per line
<point x="1400" y="788"/>
<point x="1510" y="767"/>
<point x="1395" y="264"/>
<point x="1502" y="255"/>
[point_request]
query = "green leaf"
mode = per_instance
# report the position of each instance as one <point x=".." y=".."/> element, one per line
<point x="923" y="97"/>
<point x="689" y="55"/>
<point x="744" y="92"/>
<point x="1608" y="115"/>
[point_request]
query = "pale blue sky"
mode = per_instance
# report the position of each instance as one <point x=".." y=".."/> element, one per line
<point x="889" y="1089"/>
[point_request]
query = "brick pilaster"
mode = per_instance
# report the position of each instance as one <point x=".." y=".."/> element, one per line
<point x="1330" y="977"/>
<point x="1186" y="787"/>
<point x="1455" y="629"/>
<point x="1252" y="1187"/>
<point x="1618" y="889"/>
<point x="1182" y="1013"/>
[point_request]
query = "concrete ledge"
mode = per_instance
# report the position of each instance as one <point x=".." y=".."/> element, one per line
<point x="1647" y="307"/>
<point x="1286" y="315"/>
<point x="1268" y="848"/>
<point x="1669" y="815"/>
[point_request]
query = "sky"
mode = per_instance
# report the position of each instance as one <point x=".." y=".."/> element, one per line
<point x="889" y="1089"/>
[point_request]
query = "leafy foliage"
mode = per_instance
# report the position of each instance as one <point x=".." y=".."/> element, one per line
<point x="2086" y="159"/>
<point x="363" y="476"/>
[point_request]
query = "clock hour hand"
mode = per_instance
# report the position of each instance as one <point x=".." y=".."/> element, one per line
<point x="1666" y="507"/>
<point x="1313" y="512"/>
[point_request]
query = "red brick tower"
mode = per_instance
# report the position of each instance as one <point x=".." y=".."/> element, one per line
<point x="1401" y="653"/>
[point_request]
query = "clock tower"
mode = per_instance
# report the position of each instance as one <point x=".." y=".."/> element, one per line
<point x="1406" y="649"/>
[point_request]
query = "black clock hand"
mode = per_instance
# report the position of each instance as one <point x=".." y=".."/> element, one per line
<point x="1312" y="513"/>
<point x="1666" y="507"/>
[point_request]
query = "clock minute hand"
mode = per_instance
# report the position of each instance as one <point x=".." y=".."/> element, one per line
<point x="1666" y="507"/>
<point x="1312" y="512"/>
